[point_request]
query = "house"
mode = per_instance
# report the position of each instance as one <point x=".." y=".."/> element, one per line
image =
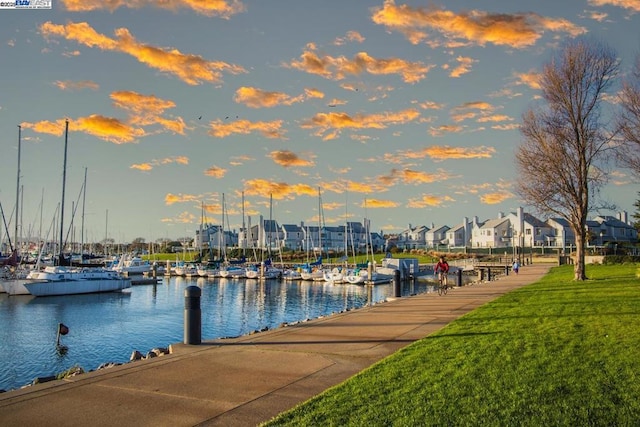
<point x="561" y="236"/>
<point x="493" y="233"/>
<point x="436" y="236"/>
<point x="528" y="231"/>
<point x="460" y="235"/>
<point x="616" y="229"/>
<point x="412" y="237"/>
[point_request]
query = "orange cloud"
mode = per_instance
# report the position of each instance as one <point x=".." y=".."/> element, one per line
<point x="191" y="69"/>
<point x="222" y="8"/>
<point x="142" y="166"/>
<point x="409" y="176"/>
<point x="439" y="153"/>
<point x="441" y="130"/>
<point x="429" y="201"/>
<point x="272" y="130"/>
<point x="325" y="122"/>
<point x="351" y="36"/>
<point x="106" y="128"/>
<point x="170" y="199"/>
<point x="257" y="98"/>
<point x="288" y="158"/>
<point x="215" y="172"/>
<point x="378" y="203"/>
<point x="477" y="27"/>
<point x="495" y="118"/>
<point x="531" y="79"/>
<point x="150" y="165"/>
<point x="279" y="190"/>
<point x="146" y="110"/>
<point x="338" y="68"/>
<point x="632" y="5"/>
<point x="83" y="84"/>
<point x="183" y="218"/>
<point x="495" y="198"/>
<point x="464" y="66"/>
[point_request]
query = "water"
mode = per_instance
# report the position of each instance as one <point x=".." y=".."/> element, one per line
<point x="109" y="327"/>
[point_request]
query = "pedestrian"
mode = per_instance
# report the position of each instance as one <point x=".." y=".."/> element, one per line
<point x="515" y="267"/>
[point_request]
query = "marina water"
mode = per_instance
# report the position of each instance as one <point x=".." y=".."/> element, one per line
<point x="109" y="327"/>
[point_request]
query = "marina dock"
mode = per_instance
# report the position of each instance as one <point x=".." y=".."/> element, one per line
<point x="248" y="380"/>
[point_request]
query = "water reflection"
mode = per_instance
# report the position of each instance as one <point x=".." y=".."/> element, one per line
<point x="109" y="327"/>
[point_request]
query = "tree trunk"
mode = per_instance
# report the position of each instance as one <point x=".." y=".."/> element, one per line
<point x="579" y="272"/>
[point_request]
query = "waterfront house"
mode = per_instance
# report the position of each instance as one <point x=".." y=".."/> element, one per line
<point x="436" y="236"/>
<point x="460" y="235"/>
<point x="412" y="237"/>
<point x="493" y="233"/>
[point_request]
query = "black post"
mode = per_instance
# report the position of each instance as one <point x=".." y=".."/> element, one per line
<point x="459" y="277"/>
<point x="192" y="316"/>
<point x="488" y="274"/>
<point x="396" y="284"/>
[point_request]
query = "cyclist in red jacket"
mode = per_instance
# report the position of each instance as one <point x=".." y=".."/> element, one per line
<point x="442" y="269"/>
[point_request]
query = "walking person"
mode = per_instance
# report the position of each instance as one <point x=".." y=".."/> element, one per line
<point x="516" y="266"/>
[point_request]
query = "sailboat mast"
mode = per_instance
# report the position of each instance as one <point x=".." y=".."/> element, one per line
<point x="15" y="236"/>
<point x="64" y="183"/>
<point x="84" y="198"/>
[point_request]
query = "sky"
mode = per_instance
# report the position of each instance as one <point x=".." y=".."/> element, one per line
<point x="403" y="112"/>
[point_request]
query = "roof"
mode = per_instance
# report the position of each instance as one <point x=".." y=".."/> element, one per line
<point x="494" y="223"/>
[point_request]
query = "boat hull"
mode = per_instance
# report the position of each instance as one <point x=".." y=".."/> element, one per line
<point x="72" y="287"/>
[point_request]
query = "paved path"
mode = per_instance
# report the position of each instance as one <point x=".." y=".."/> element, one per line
<point x="248" y="380"/>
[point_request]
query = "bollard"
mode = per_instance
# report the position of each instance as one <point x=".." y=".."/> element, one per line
<point x="488" y="274"/>
<point x="192" y="316"/>
<point x="459" y="277"/>
<point x="480" y="275"/>
<point x="396" y="284"/>
<point x="370" y="272"/>
<point x="506" y="270"/>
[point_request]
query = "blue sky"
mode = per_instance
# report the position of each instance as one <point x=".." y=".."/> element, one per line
<point x="405" y="112"/>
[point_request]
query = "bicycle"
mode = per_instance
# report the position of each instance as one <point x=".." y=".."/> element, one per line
<point x="443" y="283"/>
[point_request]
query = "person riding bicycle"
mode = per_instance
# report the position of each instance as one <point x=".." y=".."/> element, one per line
<point x="442" y="269"/>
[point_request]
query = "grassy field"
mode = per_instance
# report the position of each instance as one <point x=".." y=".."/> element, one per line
<point x="556" y="352"/>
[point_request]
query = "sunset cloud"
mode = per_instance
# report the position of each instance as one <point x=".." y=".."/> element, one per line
<point x="271" y="130"/>
<point x="429" y="201"/>
<point x="495" y="198"/>
<point x="146" y="110"/>
<point x="338" y="68"/>
<point x="221" y="8"/>
<point x="83" y="84"/>
<point x="257" y="98"/>
<point x="191" y="69"/>
<point x="279" y="190"/>
<point x="410" y="176"/>
<point x="378" y="203"/>
<point x="215" y="172"/>
<point x="440" y="153"/>
<point x="167" y="160"/>
<point x="473" y="27"/>
<point x="531" y="79"/>
<point x="288" y="158"/>
<point x="351" y="36"/>
<point x="632" y="5"/>
<point x="171" y="199"/>
<point x="444" y="129"/>
<point x="464" y="66"/>
<point x="106" y="128"/>
<point x="324" y="123"/>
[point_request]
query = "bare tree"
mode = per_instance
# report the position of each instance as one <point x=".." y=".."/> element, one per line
<point x="629" y="120"/>
<point x="560" y="161"/>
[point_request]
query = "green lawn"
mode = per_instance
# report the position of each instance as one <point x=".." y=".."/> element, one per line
<point x="556" y="352"/>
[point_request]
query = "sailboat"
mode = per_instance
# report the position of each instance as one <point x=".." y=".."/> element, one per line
<point x="66" y="280"/>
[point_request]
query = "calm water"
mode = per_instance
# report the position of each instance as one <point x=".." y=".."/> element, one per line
<point x="109" y="327"/>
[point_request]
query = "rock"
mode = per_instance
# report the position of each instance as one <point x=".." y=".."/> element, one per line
<point x="136" y="355"/>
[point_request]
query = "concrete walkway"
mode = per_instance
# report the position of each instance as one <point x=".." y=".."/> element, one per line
<point x="248" y="380"/>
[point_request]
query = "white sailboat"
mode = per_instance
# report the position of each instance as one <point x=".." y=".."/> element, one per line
<point x="62" y="280"/>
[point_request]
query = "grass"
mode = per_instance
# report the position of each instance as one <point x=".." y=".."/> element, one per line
<point x="557" y="352"/>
